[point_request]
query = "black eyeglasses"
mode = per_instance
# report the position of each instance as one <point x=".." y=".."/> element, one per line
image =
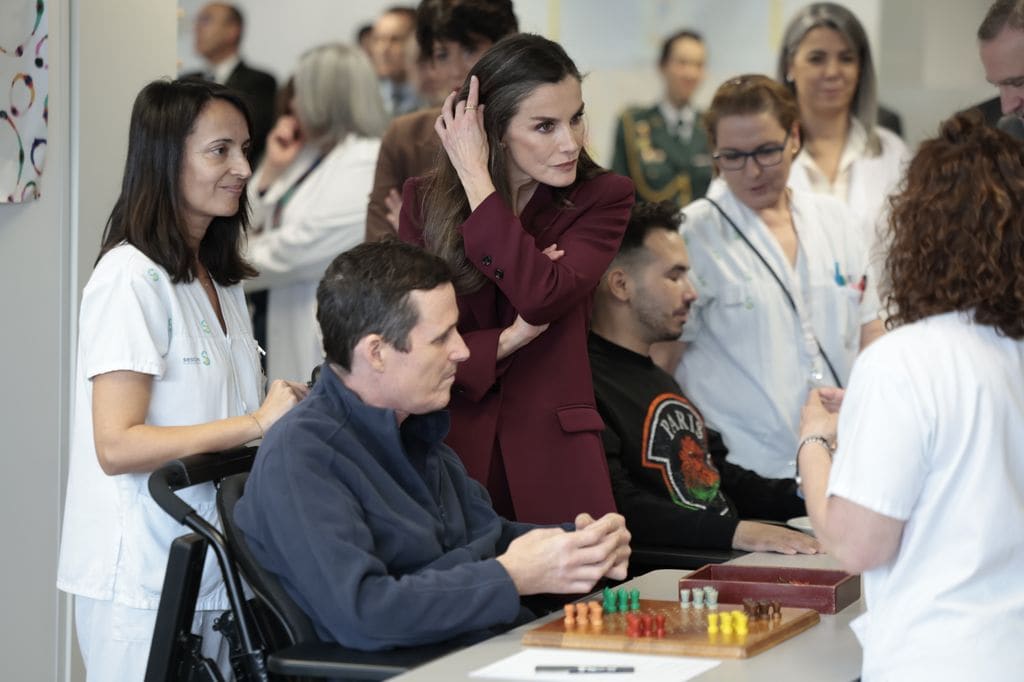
<point x="764" y="156"/>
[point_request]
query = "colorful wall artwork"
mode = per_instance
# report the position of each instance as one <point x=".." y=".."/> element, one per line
<point x="24" y="98"/>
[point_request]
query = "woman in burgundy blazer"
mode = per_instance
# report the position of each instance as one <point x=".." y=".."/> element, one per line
<point x="528" y="230"/>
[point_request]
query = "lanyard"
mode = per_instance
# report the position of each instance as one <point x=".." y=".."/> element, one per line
<point x="789" y="296"/>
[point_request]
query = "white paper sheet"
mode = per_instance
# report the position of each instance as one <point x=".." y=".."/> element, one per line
<point x="521" y="666"/>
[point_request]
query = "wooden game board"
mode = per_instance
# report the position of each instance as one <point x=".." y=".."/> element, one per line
<point x="686" y="633"/>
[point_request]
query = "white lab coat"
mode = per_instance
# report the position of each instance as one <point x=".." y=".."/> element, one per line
<point x="871" y="180"/>
<point x="750" y="359"/>
<point x="115" y="539"/>
<point x="324" y="216"/>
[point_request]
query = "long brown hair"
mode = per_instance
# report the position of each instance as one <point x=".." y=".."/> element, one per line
<point x="149" y="213"/>
<point x="512" y="69"/>
<point x="957" y="229"/>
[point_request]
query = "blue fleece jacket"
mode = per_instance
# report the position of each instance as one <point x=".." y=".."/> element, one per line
<point x="376" y="531"/>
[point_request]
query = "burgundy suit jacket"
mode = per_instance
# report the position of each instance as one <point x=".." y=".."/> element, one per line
<point x="534" y="411"/>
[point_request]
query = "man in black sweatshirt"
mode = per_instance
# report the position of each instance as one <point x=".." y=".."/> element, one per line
<point x="669" y="471"/>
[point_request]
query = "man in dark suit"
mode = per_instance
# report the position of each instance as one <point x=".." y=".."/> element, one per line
<point x="218" y="34"/>
<point x="663" y="148"/>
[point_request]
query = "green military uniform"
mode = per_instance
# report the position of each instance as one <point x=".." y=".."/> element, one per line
<point x="661" y="164"/>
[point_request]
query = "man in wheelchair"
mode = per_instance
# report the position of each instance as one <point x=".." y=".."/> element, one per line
<point x="369" y="520"/>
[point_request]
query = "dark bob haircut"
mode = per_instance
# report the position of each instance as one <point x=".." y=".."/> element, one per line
<point x="957" y="229"/>
<point x="365" y="290"/>
<point x="150" y="213"/>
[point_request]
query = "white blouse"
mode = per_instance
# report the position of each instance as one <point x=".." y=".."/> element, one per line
<point x="115" y="540"/>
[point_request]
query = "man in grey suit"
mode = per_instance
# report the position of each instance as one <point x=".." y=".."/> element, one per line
<point x="218" y="35"/>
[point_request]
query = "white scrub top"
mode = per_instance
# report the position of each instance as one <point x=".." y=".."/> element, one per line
<point x="750" y="359"/>
<point x="931" y="433"/>
<point x="319" y="215"/>
<point x="115" y="540"/>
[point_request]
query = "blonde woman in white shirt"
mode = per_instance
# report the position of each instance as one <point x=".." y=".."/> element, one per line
<point x="167" y="367"/>
<point x="826" y="63"/>
<point x="309" y="196"/>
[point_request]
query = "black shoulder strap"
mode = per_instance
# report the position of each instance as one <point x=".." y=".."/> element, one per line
<point x="778" y="280"/>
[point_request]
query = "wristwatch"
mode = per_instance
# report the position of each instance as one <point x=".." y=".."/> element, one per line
<point x="820" y="440"/>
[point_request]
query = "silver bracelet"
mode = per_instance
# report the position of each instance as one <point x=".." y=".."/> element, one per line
<point x="820" y="440"/>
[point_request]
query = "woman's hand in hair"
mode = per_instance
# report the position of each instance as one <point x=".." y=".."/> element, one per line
<point x="461" y="129"/>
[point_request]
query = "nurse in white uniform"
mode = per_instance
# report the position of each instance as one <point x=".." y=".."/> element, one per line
<point x="309" y="197"/>
<point x="923" y="492"/>
<point x="787" y="298"/>
<point x="825" y="61"/>
<point x="167" y="367"/>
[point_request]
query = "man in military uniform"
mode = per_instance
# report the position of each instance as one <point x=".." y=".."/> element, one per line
<point x="664" y="148"/>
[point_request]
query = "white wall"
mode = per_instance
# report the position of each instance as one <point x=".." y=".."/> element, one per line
<point x="46" y="253"/>
<point x="924" y="49"/>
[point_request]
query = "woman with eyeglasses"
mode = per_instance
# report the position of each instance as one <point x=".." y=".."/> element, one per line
<point x="825" y="61"/>
<point x="786" y="297"/>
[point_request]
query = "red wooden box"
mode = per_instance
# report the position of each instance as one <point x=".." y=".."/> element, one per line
<point x="811" y="588"/>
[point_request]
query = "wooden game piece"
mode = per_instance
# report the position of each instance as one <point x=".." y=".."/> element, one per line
<point x="634" y="600"/>
<point x="698" y="598"/>
<point x="711" y="598"/>
<point x="750" y="607"/>
<point x="609" y="600"/>
<point x="740" y="622"/>
<point x="776" y="608"/>
<point x="712" y="623"/>
<point x="725" y="621"/>
<point x="683" y="634"/>
<point x="596" y="612"/>
<point x="570" y="615"/>
<point x="648" y="624"/>
<point x="623" y="599"/>
<point x="684" y="598"/>
<point x="659" y="621"/>
<point x="632" y="625"/>
<point x="581" y="613"/>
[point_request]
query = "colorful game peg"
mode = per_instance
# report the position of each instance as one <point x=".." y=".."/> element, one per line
<point x="725" y="620"/>
<point x="634" y="600"/>
<point x="698" y="597"/>
<point x="712" y="623"/>
<point x="684" y="598"/>
<point x="609" y="600"/>
<point x="623" y="600"/>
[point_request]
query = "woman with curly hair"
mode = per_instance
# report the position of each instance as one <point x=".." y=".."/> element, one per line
<point x="924" y="493"/>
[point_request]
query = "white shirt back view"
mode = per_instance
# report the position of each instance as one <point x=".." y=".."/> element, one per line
<point x="932" y="433"/>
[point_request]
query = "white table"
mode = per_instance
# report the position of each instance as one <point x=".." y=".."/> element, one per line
<point x="828" y="651"/>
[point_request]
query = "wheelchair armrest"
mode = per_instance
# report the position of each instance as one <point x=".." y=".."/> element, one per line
<point x="324" y="659"/>
<point x="193" y="470"/>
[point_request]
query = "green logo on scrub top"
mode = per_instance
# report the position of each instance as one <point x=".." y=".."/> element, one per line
<point x="205" y="357"/>
<point x="153" y="275"/>
<point x="205" y="327"/>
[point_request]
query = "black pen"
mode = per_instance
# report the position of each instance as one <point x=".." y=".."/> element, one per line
<point x="583" y="669"/>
